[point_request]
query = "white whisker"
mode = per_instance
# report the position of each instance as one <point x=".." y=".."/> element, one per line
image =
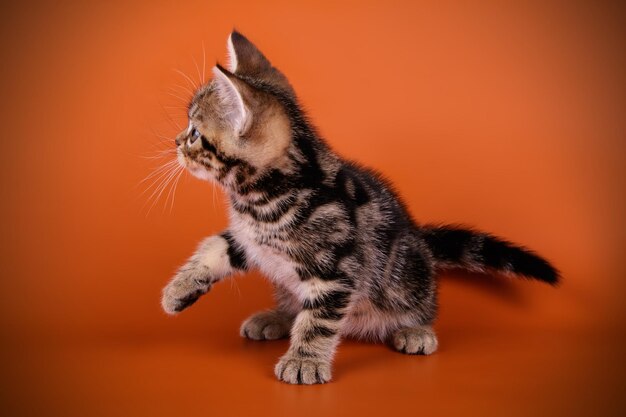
<point x="158" y="181"/>
<point x="177" y="96"/>
<point x="185" y="89"/>
<point x="167" y="139"/>
<point x="188" y="78"/>
<point x="174" y="189"/>
<point x="176" y="125"/>
<point x="203" y="62"/>
<point x="159" y="169"/>
<point x="162" y="188"/>
<point x="176" y="107"/>
<point x="158" y="156"/>
<point x="197" y="69"/>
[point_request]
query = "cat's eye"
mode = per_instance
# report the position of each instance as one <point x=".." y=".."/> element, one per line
<point x="195" y="134"/>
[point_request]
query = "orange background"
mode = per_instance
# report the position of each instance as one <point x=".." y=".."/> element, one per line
<point x="506" y="117"/>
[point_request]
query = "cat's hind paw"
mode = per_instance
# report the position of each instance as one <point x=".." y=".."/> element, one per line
<point x="266" y="325"/>
<point x="415" y="341"/>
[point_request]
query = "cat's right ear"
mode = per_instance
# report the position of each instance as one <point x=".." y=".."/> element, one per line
<point x="233" y="108"/>
<point x="247" y="60"/>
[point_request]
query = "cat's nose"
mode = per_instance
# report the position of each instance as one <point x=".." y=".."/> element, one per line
<point x="180" y="139"/>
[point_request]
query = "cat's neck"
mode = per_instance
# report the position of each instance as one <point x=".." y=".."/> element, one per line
<point x="309" y="164"/>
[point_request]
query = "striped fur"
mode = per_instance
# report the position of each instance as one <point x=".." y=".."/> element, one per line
<point x="337" y="243"/>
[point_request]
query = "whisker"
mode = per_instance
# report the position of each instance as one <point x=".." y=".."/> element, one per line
<point x="159" y="169"/>
<point x="170" y="118"/>
<point x="162" y="188"/>
<point x="163" y="137"/>
<point x="164" y="144"/>
<point x="177" y="96"/>
<point x="203" y="62"/>
<point x="167" y="139"/>
<point x="186" y="89"/>
<point x="162" y="170"/>
<point x="176" y="107"/>
<point x="173" y="190"/>
<point x="158" y="156"/>
<point x="158" y="181"/>
<point x="168" y="183"/>
<point x="161" y="147"/>
<point x="188" y="78"/>
<point x="197" y="69"/>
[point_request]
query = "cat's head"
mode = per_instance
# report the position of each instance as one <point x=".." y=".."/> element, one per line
<point x="237" y="126"/>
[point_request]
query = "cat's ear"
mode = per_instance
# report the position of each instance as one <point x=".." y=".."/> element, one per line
<point x="233" y="108"/>
<point x="246" y="59"/>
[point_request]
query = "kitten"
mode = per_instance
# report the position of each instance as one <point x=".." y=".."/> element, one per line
<point x="337" y="243"/>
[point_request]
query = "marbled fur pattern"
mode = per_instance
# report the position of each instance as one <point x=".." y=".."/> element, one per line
<point x="344" y="255"/>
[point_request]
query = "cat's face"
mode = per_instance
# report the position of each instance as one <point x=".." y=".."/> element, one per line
<point x="236" y="131"/>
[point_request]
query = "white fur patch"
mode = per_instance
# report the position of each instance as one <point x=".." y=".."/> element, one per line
<point x="232" y="55"/>
<point x="213" y="253"/>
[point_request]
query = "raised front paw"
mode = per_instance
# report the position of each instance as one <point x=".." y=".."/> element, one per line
<point x="266" y="325"/>
<point x="184" y="289"/>
<point x="302" y="370"/>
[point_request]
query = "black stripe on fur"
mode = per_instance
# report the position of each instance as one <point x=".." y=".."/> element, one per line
<point x="333" y="300"/>
<point x="236" y="256"/>
<point x="316" y="331"/>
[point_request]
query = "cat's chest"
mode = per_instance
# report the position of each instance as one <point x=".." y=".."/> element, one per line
<point x="269" y="255"/>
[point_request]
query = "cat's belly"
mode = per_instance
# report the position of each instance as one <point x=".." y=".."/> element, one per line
<point x="364" y="321"/>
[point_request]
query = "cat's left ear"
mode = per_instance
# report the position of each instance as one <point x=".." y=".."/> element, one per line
<point x="233" y="109"/>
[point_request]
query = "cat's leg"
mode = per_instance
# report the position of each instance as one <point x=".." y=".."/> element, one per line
<point x="417" y="340"/>
<point x="272" y="324"/>
<point x="216" y="257"/>
<point x="315" y="334"/>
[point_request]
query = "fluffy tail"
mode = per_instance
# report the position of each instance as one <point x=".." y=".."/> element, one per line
<point x="460" y="247"/>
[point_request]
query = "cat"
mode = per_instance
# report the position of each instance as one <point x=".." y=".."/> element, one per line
<point x="343" y="254"/>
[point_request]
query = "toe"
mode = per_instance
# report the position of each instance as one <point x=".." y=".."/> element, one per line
<point x="399" y="341"/>
<point x="302" y="371"/>
<point x="308" y="373"/>
<point x="323" y="374"/>
<point x="430" y="344"/>
<point x="272" y="332"/>
<point x="290" y="372"/>
<point x="415" y="341"/>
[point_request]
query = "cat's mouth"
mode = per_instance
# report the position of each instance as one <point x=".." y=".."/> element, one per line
<point x="196" y="169"/>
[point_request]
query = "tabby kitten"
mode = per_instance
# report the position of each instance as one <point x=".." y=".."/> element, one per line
<point x="337" y="243"/>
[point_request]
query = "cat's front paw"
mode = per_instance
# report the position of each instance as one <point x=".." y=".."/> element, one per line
<point x="183" y="291"/>
<point x="266" y="325"/>
<point x="295" y="369"/>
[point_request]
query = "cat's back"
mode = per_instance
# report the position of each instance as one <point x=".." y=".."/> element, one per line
<point x="373" y="197"/>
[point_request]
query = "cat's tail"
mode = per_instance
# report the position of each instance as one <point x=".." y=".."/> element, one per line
<point x="460" y="247"/>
